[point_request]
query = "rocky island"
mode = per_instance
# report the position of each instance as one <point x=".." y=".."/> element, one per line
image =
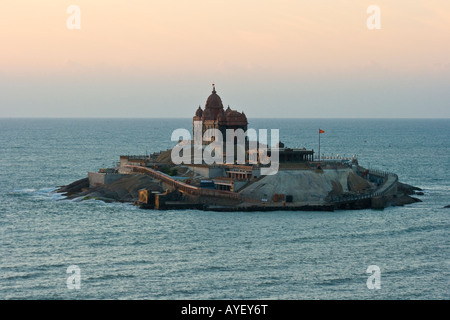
<point x="300" y="181"/>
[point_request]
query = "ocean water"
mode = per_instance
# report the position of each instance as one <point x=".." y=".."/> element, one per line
<point x="126" y="253"/>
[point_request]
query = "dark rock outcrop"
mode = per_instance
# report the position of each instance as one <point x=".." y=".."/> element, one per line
<point x="126" y="189"/>
<point x="74" y="188"/>
<point x="407" y="189"/>
<point x="403" y="200"/>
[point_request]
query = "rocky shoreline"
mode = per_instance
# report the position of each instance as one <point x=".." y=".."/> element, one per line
<point x="126" y="189"/>
<point x="405" y="193"/>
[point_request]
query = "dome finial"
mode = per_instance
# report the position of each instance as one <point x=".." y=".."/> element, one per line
<point x="214" y="88"/>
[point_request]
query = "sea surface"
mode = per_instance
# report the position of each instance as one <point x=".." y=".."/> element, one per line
<point x="123" y="252"/>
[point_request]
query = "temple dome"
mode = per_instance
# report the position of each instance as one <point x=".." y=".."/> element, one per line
<point x="235" y="116"/>
<point x="214" y="101"/>
<point x="199" y="112"/>
<point x="214" y="116"/>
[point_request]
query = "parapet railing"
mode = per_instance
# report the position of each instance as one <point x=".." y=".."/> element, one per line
<point x="184" y="187"/>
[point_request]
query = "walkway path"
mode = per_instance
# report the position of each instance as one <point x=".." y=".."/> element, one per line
<point x="183" y="187"/>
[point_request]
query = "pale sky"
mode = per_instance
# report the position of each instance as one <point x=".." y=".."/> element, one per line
<point x="278" y="58"/>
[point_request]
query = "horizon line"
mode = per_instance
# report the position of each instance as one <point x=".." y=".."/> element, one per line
<point x="280" y="118"/>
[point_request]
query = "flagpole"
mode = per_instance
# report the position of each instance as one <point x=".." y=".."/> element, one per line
<point x="319" y="145"/>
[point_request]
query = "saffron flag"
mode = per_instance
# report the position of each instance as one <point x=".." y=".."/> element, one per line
<point x="321" y="131"/>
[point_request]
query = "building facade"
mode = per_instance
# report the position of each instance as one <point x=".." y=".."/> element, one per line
<point x="214" y="116"/>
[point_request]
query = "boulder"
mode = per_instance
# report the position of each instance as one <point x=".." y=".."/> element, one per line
<point x="407" y="189"/>
<point x="74" y="187"/>
<point x="356" y="183"/>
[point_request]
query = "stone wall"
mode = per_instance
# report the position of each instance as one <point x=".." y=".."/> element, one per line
<point x="98" y="179"/>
